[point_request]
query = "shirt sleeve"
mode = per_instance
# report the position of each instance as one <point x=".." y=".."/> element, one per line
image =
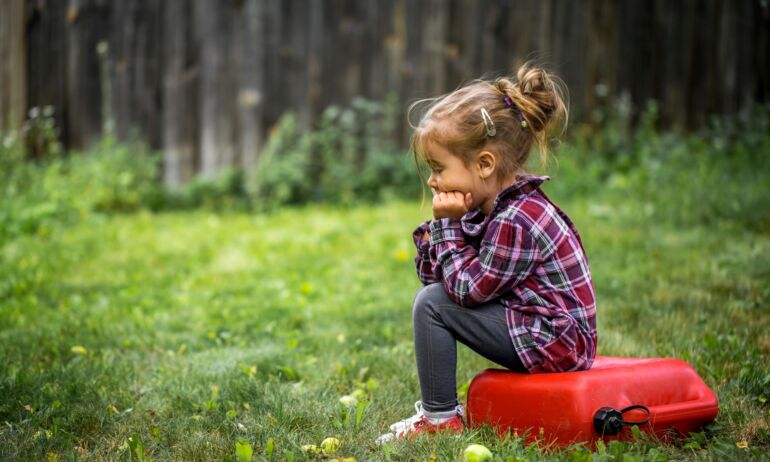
<point x="426" y="256"/>
<point x="506" y="256"/>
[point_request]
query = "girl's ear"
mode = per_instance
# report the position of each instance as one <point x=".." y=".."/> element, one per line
<point x="486" y="164"/>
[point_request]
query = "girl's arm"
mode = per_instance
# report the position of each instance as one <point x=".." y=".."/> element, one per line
<point x="506" y="257"/>
<point x="426" y="257"/>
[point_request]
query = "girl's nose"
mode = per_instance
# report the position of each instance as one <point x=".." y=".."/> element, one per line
<point x="432" y="184"/>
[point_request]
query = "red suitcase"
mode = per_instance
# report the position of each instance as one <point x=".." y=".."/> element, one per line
<point x="585" y="406"/>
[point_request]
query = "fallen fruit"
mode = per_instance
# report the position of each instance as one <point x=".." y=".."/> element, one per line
<point x="330" y="445"/>
<point x="477" y="453"/>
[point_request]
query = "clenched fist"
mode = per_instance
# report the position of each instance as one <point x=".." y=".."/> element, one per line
<point x="453" y="204"/>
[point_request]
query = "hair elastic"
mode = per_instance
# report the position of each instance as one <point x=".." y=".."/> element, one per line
<point x="512" y="107"/>
<point x="490" y="126"/>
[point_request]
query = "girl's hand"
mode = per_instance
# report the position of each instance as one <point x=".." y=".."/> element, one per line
<point x="451" y="204"/>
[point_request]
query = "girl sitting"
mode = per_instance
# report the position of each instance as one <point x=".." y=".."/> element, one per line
<point x="503" y="268"/>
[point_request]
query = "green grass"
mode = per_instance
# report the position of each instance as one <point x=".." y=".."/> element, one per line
<point x="183" y="334"/>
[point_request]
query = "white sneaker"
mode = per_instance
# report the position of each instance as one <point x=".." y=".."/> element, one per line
<point x="418" y="424"/>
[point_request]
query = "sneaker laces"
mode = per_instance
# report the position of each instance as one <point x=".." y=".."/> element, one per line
<point x="402" y="425"/>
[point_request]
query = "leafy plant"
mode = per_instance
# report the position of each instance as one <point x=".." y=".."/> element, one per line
<point x="350" y="157"/>
<point x="40" y="134"/>
<point x="107" y="178"/>
<point x="136" y="449"/>
<point x="243" y="451"/>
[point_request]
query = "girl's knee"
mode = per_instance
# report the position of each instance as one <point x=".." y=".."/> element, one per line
<point x="427" y="298"/>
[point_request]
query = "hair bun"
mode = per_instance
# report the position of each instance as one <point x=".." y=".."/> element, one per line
<point x="531" y="79"/>
<point x="543" y="97"/>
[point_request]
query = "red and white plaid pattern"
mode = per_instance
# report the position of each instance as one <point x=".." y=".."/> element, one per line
<point x="528" y="254"/>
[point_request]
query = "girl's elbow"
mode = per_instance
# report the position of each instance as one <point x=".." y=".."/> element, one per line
<point x="426" y="278"/>
<point x="465" y="298"/>
<point x="428" y="281"/>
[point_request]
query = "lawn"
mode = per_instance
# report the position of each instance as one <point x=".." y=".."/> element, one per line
<point x="186" y="335"/>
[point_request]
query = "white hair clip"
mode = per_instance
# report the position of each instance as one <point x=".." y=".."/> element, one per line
<point x="490" y="126"/>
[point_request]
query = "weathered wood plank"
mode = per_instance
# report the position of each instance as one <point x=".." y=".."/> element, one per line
<point x="13" y="65"/>
<point x="250" y="46"/>
<point x="179" y="95"/>
<point x="214" y="26"/>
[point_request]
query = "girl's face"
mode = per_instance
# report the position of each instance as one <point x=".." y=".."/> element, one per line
<point x="449" y="173"/>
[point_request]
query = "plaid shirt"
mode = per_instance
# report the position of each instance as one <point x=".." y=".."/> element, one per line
<point x="528" y="255"/>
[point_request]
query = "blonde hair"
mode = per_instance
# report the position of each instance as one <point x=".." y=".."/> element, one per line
<point x="455" y="122"/>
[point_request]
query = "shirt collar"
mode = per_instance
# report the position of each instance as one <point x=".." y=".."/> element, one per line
<point x="474" y="222"/>
<point x="523" y="186"/>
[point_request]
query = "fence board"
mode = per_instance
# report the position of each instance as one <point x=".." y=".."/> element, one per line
<point x="13" y="43"/>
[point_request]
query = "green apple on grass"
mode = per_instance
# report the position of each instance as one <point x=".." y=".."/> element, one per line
<point x="477" y="453"/>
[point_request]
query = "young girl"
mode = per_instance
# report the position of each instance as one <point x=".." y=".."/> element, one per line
<point x="503" y="268"/>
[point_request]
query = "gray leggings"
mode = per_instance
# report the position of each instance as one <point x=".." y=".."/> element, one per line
<point x="438" y="323"/>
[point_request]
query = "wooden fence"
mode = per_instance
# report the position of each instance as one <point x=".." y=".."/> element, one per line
<point x="204" y="80"/>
